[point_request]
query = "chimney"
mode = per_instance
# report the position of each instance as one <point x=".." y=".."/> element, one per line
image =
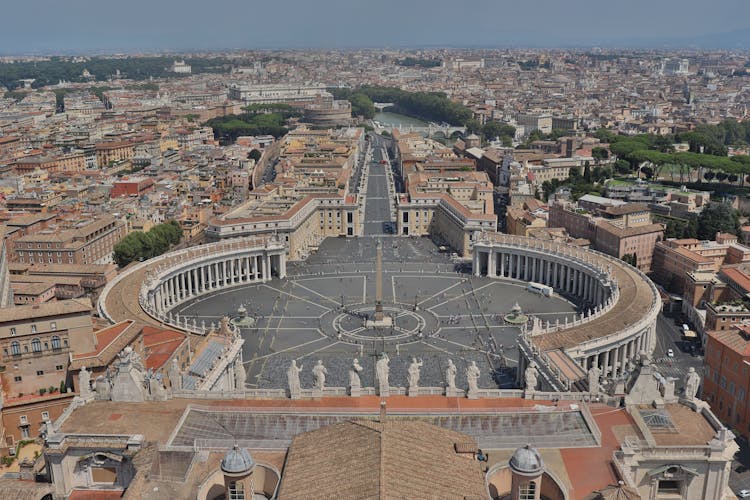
<point x="383" y="413"/>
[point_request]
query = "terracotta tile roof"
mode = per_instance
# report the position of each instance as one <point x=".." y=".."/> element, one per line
<point x="398" y="458"/>
<point x="738" y="277"/>
<point x="160" y="345"/>
<point x="95" y="495"/>
<point x="60" y="307"/>
<point x="110" y="341"/>
<point x="736" y="339"/>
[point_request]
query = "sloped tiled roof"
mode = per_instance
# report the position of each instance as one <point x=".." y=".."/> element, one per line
<point x="398" y="458"/>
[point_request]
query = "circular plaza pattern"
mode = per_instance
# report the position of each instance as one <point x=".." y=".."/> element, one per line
<point x="601" y="311"/>
<point x="320" y="311"/>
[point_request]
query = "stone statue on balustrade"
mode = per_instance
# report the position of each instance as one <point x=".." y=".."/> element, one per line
<point x="84" y="383"/>
<point x="355" y="384"/>
<point x="413" y="371"/>
<point x="175" y="377"/>
<point x="531" y="376"/>
<point x="292" y="377"/>
<point x="102" y="387"/>
<point x="594" y="376"/>
<point x="319" y="372"/>
<point x="381" y="372"/>
<point x="240" y="376"/>
<point x="450" y="378"/>
<point x="692" y="382"/>
<point x="472" y="376"/>
<point x="129" y="384"/>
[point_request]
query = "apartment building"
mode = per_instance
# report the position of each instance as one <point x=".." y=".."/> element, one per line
<point x="726" y="385"/>
<point x="36" y="342"/>
<point x="620" y="230"/>
<point x="73" y="241"/>
<point x="675" y="259"/>
<point x="113" y="151"/>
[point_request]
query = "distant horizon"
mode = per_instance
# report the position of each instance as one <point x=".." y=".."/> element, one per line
<point x="86" y="27"/>
<point x="156" y="51"/>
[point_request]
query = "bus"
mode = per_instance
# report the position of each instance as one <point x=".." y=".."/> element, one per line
<point x="539" y="289"/>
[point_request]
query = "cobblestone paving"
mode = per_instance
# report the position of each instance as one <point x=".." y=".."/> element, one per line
<point x="462" y="316"/>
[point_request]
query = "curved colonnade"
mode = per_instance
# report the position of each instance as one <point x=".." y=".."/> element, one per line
<point x="168" y="280"/>
<point x="621" y="306"/>
<point x="620" y="303"/>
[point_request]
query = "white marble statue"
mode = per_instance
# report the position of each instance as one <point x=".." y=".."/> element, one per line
<point x="240" y="376"/>
<point x="472" y="376"/>
<point x="354" y="381"/>
<point x="84" y="383"/>
<point x="292" y="376"/>
<point x="381" y="371"/>
<point x="450" y="375"/>
<point x="319" y="372"/>
<point x="692" y="382"/>
<point x="530" y="376"/>
<point x="175" y="377"/>
<point x="593" y="377"/>
<point x="414" y="373"/>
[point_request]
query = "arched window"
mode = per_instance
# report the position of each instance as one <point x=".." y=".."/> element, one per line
<point x="15" y="348"/>
<point x="55" y="342"/>
<point x="36" y="345"/>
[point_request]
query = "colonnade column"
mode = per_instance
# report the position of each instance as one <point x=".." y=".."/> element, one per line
<point x="491" y="258"/>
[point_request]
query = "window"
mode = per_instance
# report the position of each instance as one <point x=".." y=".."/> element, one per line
<point x="36" y="345"/>
<point x="45" y="415"/>
<point x="58" y="367"/>
<point x="23" y="419"/>
<point x="40" y="372"/>
<point x="666" y="486"/>
<point x="55" y="342"/>
<point x="17" y="378"/>
<point x="15" y="348"/>
<point x="33" y="328"/>
<point x="12" y="331"/>
<point x="236" y="491"/>
<point x="527" y="491"/>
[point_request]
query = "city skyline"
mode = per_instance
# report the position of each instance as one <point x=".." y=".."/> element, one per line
<point x="84" y="27"/>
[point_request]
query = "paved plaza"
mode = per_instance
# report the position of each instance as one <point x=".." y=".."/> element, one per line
<point x="319" y="312"/>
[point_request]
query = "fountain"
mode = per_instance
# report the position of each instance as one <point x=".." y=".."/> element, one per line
<point x="516" y="316"/>
<point x="242" y="320"/>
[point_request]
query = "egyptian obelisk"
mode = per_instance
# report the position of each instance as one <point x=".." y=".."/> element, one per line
<point x="379" y="283"/>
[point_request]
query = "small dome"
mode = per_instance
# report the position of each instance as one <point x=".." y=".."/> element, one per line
<point x="237" y="461"/>
<point x="526" y="461"/>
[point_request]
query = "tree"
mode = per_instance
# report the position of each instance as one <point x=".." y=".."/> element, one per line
<point x="138" y="246"/>
<point x="648" y="172"/>
<point x="717" y="217"/>
<point x="709" y="176"/>
<point x="622" y="167"/>
<point x="254" y="155"/>
<point x="587" y="171"/>
<point x="599" y="154"/>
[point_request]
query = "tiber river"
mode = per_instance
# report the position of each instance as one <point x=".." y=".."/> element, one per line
<point x="395" y="120"/>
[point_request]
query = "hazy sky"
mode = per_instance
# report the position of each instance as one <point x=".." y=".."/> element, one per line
<point x="131" y="25"/>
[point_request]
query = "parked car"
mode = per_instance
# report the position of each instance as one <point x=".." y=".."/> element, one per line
<point x="670" y="353"/>
<point x="743" y="494"/>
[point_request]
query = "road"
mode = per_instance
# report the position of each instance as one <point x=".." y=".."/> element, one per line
<point x="669" y="336"/>
<point x="377" y="209"/>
